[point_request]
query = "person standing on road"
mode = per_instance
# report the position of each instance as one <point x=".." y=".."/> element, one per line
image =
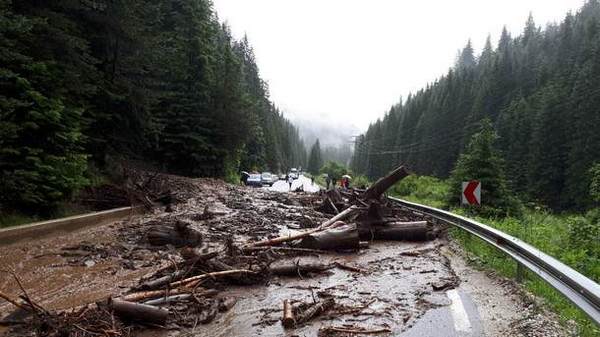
<point x="290" y="181"/>
<point x="328" y="181"/>
<point x="312" y="180"/>
<point x="244" y="178"/>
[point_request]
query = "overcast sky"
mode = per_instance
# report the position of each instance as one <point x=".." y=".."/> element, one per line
<point x="350" y="60"/>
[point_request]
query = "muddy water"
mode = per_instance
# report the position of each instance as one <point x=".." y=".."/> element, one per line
<point x="393" y="293"/>
<point x="57" y="282"/>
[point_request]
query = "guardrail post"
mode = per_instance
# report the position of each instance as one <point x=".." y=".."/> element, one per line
<point x="520" y="273"/>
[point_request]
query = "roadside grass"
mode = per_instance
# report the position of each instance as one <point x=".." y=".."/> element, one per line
<point x="16" y="219"/>
<point x="11" y="219"/>
<point x="550" y="233"/>
<point x="422" y="189"/>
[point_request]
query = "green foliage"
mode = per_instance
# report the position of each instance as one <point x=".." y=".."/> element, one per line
<point x="562" y="237"/>
<point x="539" y="89"/>
<point x="15" y="219"/>
<point x="584" y="235"/>
<point x="159" y="81"/>
<point x="481" y="161"/>
<point x="423" y="189"/>
<point x="334" y="170"/>
<point x="41" y="158"/>
<point x="315" y="160"/>
<point x="360" y="181"/>
<point x="594" y="173"/>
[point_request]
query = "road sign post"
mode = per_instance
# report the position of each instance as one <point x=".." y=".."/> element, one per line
<point x="471" y="193"/>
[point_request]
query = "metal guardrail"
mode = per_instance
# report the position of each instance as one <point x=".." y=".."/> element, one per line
<point x="580" y="290"/>
<point x="40" y="229"/>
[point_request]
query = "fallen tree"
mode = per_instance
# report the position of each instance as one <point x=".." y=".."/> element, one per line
<point x="327" y="224"/>
<point x="380" y="186"/>
<point x="339" y="237"/>
<point x="141" y="313"/>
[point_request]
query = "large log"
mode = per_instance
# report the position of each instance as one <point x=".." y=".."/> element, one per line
<point x="314" y="310"/>
<point x="298" y="269"/>
<point x="141" y="313"/>
<point x="403" y="231"/>
<point x="343" y="237"/>
<point x="366" y="221"/>
<point x="381" y="185"/>
<point x="329" y="223"/>
<point x="288" y="319"/>
<point x="191" y="282"/>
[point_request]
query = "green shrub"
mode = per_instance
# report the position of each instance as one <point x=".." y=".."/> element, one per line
<point x="334" y="170"/>
<point x="423" y="189"/>
<point x="360" y="181"/>
<point x="595" y="182"/>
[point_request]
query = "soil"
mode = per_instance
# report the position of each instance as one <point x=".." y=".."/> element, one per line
<point x="387" y="286"/>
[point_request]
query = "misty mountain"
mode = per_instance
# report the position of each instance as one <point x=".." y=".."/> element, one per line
<point x="336" y="137"/>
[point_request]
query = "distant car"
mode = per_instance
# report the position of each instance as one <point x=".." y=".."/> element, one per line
<point x="254" y="179"/>
<point x="267" y="178"/>
<point x="294" y="173"/>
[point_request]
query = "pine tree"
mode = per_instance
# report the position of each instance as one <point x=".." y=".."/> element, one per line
<point x="315" y="161"/>
<point x="482" y="161"/>
<point x="540" y="91"/>
<point x="41" y="159"/>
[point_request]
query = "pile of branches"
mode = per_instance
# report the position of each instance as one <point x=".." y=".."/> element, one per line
<point x="186" y="292"/>
<point x="358" y="217"/>
<point x="138" y="187"/>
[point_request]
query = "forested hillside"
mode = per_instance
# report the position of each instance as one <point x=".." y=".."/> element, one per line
<point x="86" y="83"/>
<point x="541" y="89"/>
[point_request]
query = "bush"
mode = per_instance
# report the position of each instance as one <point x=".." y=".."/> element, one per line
<point x="584" y="235"/>
<point x="360" y="181"/>
<point x="423" y="189"/>
<point x="595" y="182"/>
<point x="334" y="170"/>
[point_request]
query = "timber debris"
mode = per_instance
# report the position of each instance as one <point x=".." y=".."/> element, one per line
<point x="197" y="264"/>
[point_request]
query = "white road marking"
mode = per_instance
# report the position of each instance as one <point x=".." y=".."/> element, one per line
<point x="459" y="314"/>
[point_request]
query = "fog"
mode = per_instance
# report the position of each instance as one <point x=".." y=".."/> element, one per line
<point x="343" y="63"/>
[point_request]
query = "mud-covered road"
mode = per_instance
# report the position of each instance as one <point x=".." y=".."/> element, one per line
<point x="399" y="288"/>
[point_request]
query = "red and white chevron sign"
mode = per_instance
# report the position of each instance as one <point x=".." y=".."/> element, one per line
<point x="471" y="192"/>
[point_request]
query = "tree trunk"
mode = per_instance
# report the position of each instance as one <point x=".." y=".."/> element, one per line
<point x="276" y="241"/>
<point x="288" y="319"/>
<point x="344" y="237"/>
<point x="298" y="269"/>
<point x="314" y="310"/>
<point x="381" y="185"/>
<point x="141" y="313"/>
<point x="403" y="231"/>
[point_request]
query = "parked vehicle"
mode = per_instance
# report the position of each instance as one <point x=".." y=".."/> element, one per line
<point x="267" y="178"/>
<point x="254" y="179"/>
<point x="294" y="173"/>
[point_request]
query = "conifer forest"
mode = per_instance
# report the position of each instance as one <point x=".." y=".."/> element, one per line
<point x="540" y="89"/>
